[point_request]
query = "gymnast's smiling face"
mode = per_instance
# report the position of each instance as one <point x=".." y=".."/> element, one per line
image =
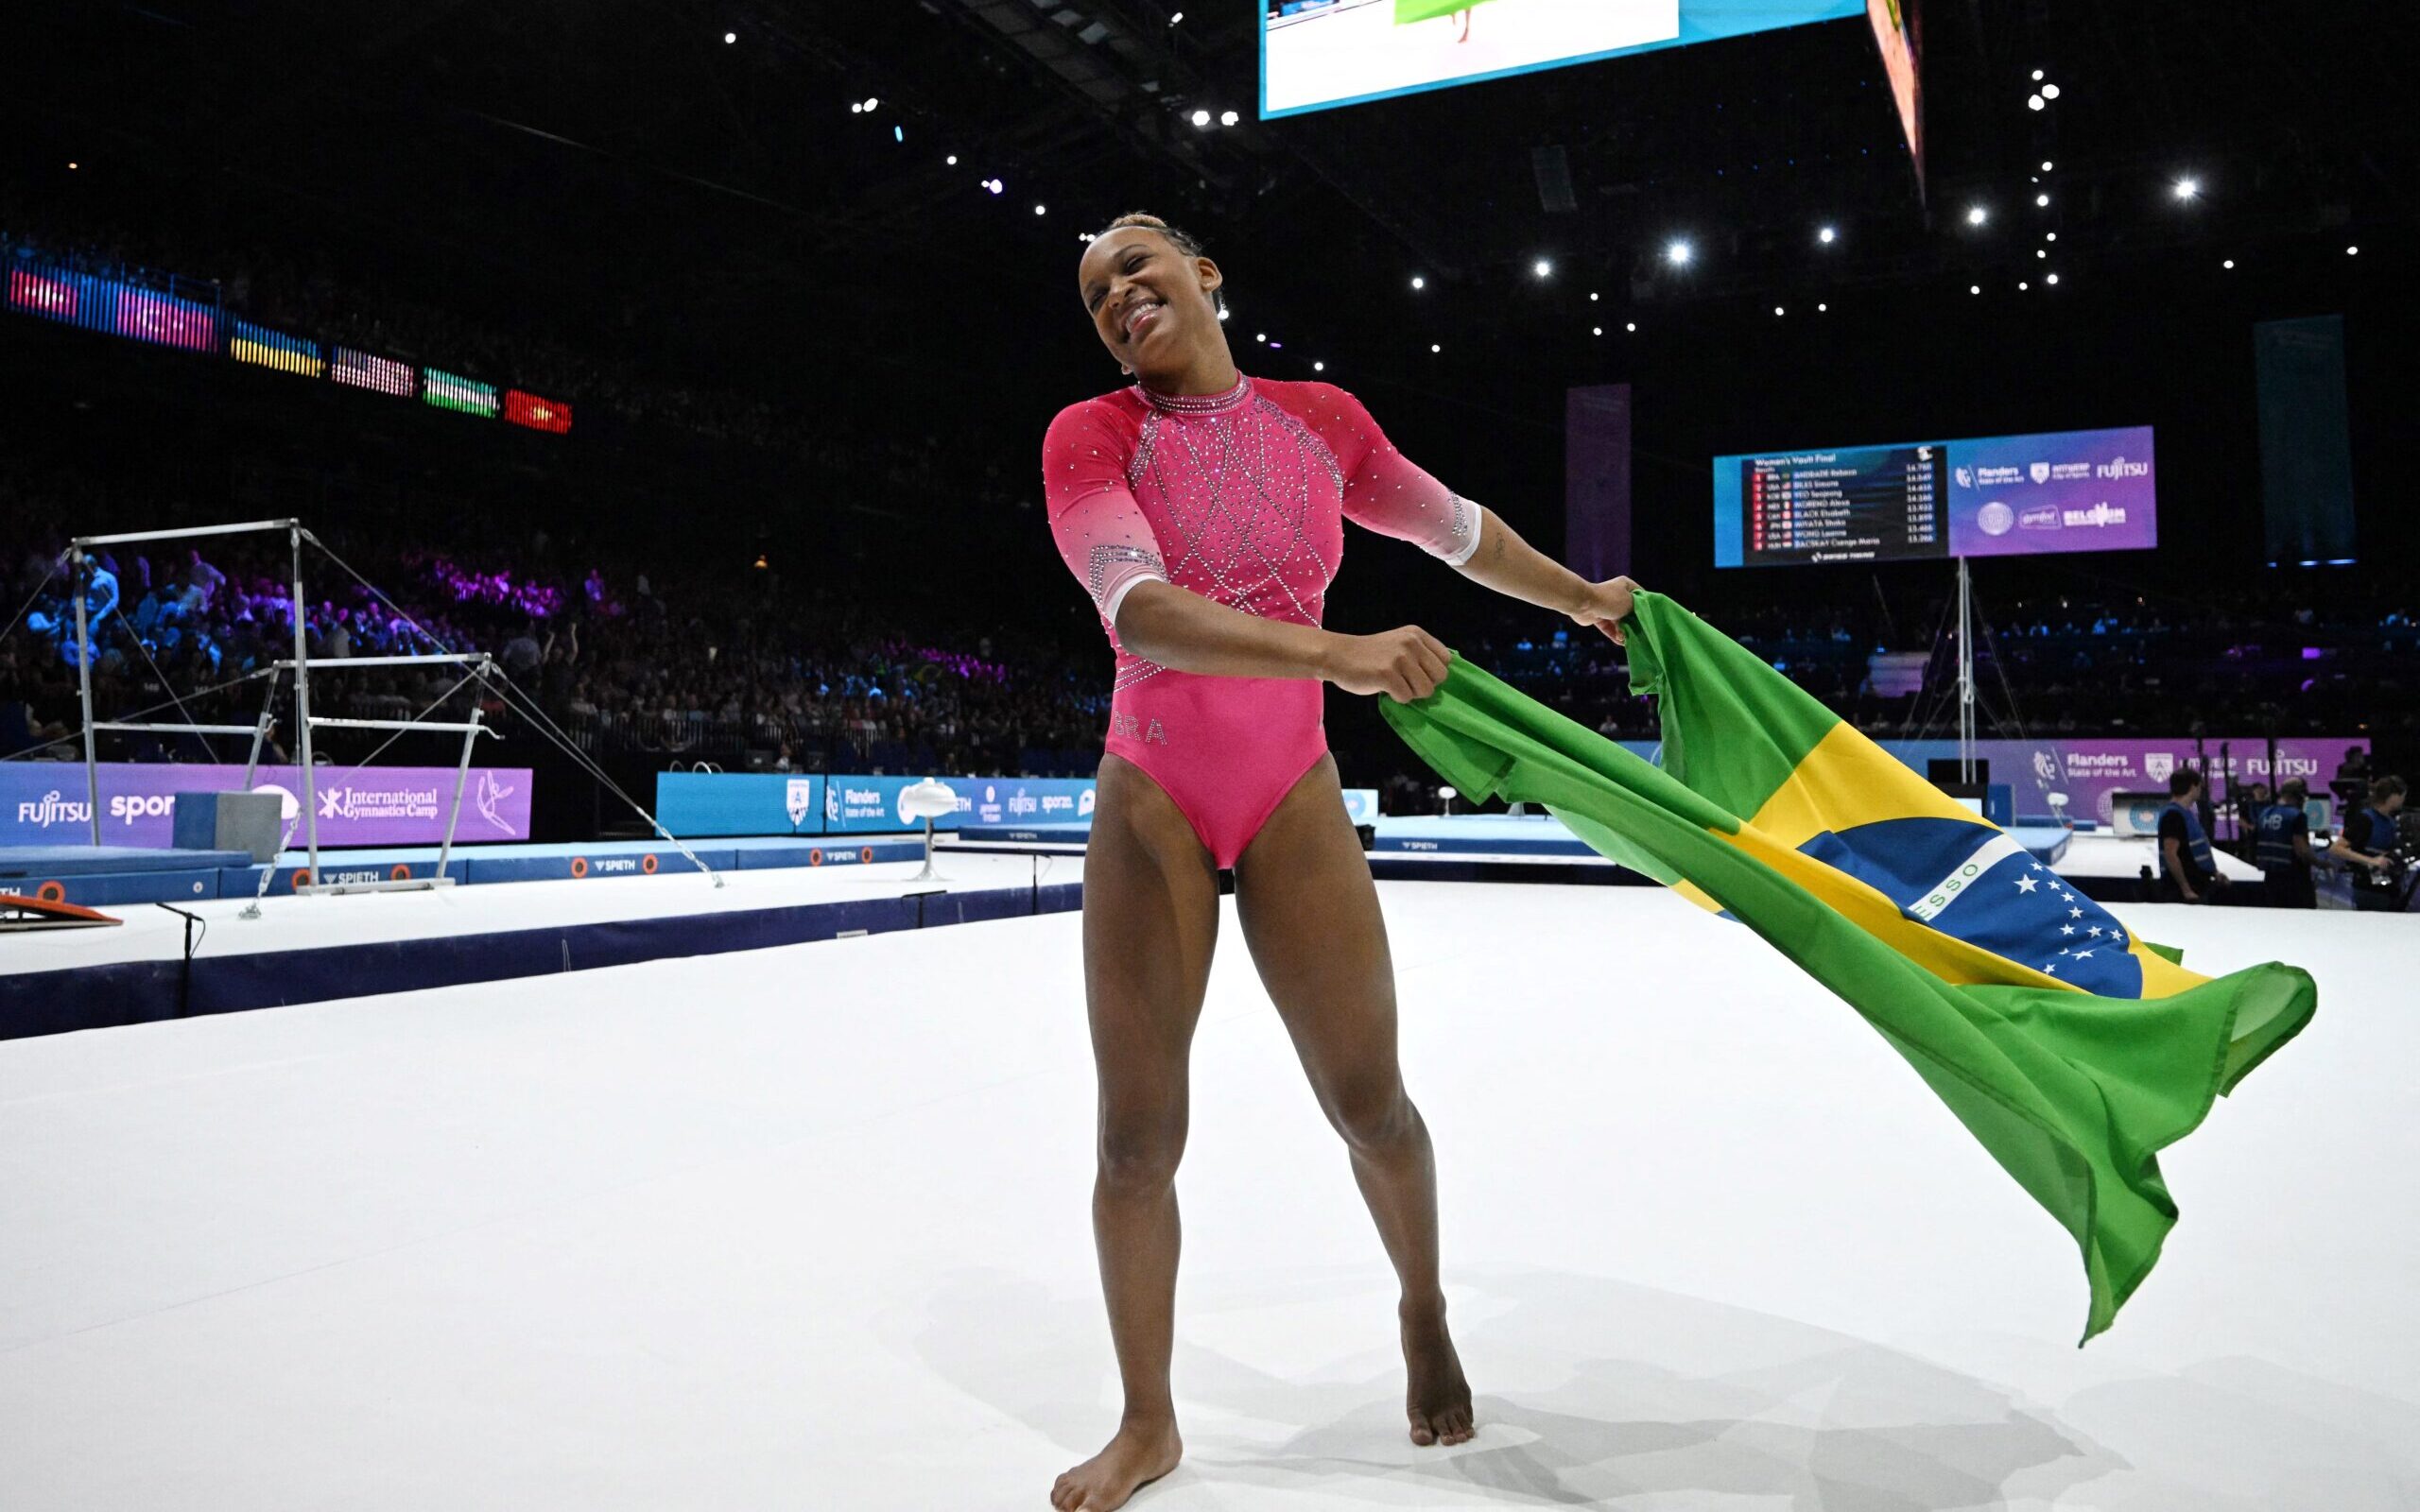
<point x="1150" y="305"/>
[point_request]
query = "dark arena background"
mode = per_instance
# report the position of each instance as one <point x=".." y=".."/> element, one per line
<point x="547" y="967"/>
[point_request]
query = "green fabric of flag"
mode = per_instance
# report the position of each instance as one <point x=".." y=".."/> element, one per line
<point x="1407" y="11"/>
<point x="2074" y="1057"/>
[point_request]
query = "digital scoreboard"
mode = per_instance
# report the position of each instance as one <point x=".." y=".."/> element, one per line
<point x="1921" y="501"/>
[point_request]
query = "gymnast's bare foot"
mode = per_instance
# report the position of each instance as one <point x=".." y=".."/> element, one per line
<point x="1436" y="1398"/>
<point x="1143" y="1452"/>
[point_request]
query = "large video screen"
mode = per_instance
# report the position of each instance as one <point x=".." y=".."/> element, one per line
<point x="1916" y="501"/>
<point x="1315" y="54"/>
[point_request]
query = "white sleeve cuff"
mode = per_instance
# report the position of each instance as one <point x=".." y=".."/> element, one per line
<point x="1118" y="594"/>
<point x="1463" y="532"/>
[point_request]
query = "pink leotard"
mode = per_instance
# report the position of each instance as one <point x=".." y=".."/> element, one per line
<point x="1240" y="497"/>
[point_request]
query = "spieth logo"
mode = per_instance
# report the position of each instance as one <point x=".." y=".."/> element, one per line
<point x="2103" y="513"/>
<point x="2117" y="466"/>
<point x="50" y="809"/>
<point x="2039" y="517"/>
<point x="2158" y="764"/>
<point x="799" y="799"/>
<point x="1995" y="517"/>
<point x="2041" y="471"/>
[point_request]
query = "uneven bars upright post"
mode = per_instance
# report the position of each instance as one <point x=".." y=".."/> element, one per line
<point x="303" y="704"/>
<point x="78" y="577"/>
<point x="462" y="776"/>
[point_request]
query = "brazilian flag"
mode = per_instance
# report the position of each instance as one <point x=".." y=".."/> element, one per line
<point x="2073" y="1050"/>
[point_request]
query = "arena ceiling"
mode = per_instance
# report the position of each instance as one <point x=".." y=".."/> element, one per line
<point x="623" y="173"/>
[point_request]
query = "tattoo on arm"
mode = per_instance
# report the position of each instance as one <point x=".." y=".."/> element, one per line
<point x="1499" y="548"/>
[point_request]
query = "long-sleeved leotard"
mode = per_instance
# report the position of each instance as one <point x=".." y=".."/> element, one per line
<point x="1240" y="497"/>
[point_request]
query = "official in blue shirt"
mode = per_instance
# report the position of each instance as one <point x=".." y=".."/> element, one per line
<point x="2283" y="849"/>
<point x="2374" y="835"/>
<point x="2187" y="871"/>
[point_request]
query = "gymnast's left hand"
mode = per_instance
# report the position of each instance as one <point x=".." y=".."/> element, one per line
<point x="1607" y="605"/>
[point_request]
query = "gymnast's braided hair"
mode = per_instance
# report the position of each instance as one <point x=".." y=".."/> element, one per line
<point x="1183" y="241"/>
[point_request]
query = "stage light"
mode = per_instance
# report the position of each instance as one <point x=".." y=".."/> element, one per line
<point x="1260" y="336"/>
<point x="1319" y="367"/>
<point x="1419" y="282"/>
<point x="1679" y="253"/>
<point x="1976" y="215"/>
<point x="73" y="166"/>
<point x="1820" y="308"/>
<point x="2051" y="279"/>
<point x="1597" y="330"/>
<point x="899" y="133"/>
<point x="2187" y="188"/>
<point x="1630" y="326"/>
<point x="2043" y="201"/>
<point x="730" y="37"/>
<point x="1542" y="268"/>
<point x="2045" y="164"/>
<point x="2352" y="251"/>
<point x="1777" y="309"/>
<point x="2049" y="235"/>
<point x="2033" y="102"/>
<point x="2228" y="264"/>
<point x="2041" y="251"/>
<point x="1177" y="19"/>
<point x="2038" y="76"/>
<point x="1827" y="235"/>
<point x="1228" y="117"/>
<point x="1974" y="288"/>
<point x="1042" y="210"/>
<point x="857" y="108"/>
<point x="2022" y="286"/>
<point x="1593" y="298"/>
<point x="953" y="159"/>
<point x="1201" y="117"/>
<point x="871" y="104"/>
<point x="1434" y="346"/>
<point x="2050" y="91"/>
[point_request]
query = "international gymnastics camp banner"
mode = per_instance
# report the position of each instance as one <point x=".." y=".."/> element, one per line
<point x="45" y="802"/>
<point x="2073" y="1050"/>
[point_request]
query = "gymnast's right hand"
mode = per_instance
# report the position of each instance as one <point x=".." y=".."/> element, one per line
<point x="1405" y="664"/>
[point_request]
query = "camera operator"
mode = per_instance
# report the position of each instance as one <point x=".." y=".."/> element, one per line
<point x="2374" y="835"/>
<point x="2188" y="873"/>
<point x="2283" y="849"/>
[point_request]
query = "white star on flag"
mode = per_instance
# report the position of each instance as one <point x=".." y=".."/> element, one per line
<point x="2039" y="866"/>
<point x="2095" y="931"/>
<point x="2050" y="968"/>
<point x="2025" y="883"/>
<point x="2084" y="955"/>
<point x="2069" y="929"/>
<point x="2075" y="913"/>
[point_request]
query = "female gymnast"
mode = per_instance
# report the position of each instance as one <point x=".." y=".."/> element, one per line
<point x="1203" y="512"/>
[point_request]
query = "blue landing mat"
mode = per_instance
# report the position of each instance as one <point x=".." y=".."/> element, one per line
<point x="43" y="862"/>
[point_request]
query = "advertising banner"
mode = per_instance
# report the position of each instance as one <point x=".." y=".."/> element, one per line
<point x="43" y="802"/>
<point x="2092" y="772"/>
<point x="697" y="804"/>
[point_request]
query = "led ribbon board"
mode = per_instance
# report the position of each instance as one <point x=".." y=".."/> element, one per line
<point x="362" y="370"/>
<point x="111" y="305"/>
<point x="447" y="391"/>
<point x="1315" y="54"/>
<point x="263" y="348"/>
<point x="538" y="414"/>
